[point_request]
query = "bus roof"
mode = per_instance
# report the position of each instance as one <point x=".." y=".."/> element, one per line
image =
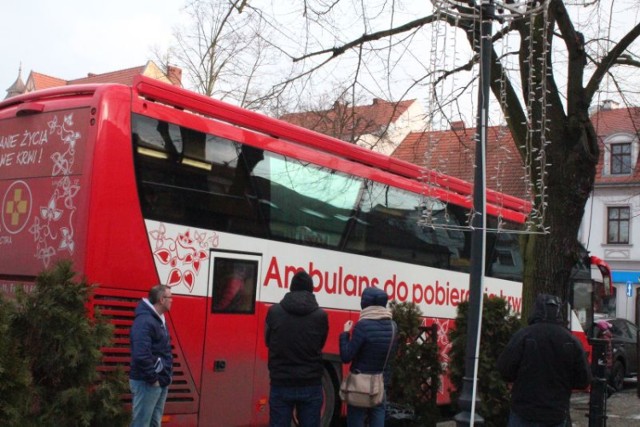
<point x="166" y="93"/>
<point x="157" y="91"/>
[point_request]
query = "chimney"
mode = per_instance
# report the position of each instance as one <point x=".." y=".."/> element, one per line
<point x="175" y="75"/>
<point x="91" y="74"/>
<point x="459" y="125"/>
<point x="377" y="101"/>
<point x="609" y="104"/>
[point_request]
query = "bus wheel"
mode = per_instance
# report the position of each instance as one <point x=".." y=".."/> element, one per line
<point x="331" y="402"/>
<point x="617" y="376"/>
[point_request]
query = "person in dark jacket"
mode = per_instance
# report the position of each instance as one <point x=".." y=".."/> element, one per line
<point x="296" y="330"/>
<point x="151" y="358"/>
<point x="370" y="349"/>
<point x="544" y="361"/>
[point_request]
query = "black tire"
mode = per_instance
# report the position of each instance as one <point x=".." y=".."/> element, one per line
<point x="331" y="406"/>
<point x="617" y="375"/>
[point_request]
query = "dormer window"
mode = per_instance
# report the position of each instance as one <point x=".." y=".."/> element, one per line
<point x="620" y="154"/>
<point x="620" y="159"/>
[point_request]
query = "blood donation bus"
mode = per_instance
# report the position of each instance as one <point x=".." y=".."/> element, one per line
<point x="151" y="183"/>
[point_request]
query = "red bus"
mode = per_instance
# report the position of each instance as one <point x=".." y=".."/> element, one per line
<point x="153" y="183"/>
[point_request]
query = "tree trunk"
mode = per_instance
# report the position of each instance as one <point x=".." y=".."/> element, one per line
<point x="565" y="150"/>
<point x="549" y="258"/>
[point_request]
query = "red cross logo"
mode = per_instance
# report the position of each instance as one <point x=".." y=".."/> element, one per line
<point x="16" y="207"/>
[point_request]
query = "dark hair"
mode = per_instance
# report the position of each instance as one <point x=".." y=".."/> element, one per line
<point x="156" y="293"/>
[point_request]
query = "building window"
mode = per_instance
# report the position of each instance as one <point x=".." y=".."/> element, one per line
<point x="618" y="225"/>
<point x="620" y="159"/>
<point x="505" y="258"/>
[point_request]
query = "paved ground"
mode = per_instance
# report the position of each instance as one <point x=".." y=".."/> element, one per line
<point x="623" y="409"/>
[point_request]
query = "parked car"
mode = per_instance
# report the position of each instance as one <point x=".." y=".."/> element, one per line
<point x="624" y="341"/>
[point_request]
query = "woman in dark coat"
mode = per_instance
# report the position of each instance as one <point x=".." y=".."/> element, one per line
<point x="370" y="349"/>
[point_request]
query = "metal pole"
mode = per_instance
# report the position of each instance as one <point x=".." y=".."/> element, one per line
<point x="598" y="395"/>
<point x="468" y="399"/>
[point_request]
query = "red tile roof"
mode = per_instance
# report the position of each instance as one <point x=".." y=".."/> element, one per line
<point x="37" y="81"/>
<point x="342" y="121"/>
<point x="452" y="152"/>
<point x="121" y="76"/>
<point x="609" y="122"/>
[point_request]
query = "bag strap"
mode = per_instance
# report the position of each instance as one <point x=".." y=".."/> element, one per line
<point x="393" y="334"/>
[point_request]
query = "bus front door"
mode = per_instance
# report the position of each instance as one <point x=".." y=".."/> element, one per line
<point x="230" y="340"/>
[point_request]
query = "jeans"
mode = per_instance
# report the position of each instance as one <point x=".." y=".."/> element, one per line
<point x="307" y="402"/>
<point x="517" y="421"/>
<point x="148" y="403"/>
<point x="357" y="417"/>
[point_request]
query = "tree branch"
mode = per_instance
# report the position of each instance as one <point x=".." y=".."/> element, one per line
<point x="337" y="51"/>
<point x="609" y="60"/>
<point x="574" y="42"/>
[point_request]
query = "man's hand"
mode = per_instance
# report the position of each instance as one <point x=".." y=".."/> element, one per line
<point x="348" y="325"/>
<point x="156" y="384"/>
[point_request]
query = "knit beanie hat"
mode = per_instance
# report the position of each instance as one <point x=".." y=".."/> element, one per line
<point x="301" y="282"/>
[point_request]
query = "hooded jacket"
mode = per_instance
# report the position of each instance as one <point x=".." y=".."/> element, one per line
<point x="151" y="358"/>
<point x="545" y="362"/>
<point x="368" y="346"/>
<point x="296" y="330"/>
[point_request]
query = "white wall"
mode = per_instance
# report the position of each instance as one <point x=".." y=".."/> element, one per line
<point x="621" y="258"/>
<point x="412" y="120"/>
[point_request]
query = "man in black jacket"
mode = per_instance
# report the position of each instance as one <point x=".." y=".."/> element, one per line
<point x="545" y="362"/>
<point x="295" y="332"/>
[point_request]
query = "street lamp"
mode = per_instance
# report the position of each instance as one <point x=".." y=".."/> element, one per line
<point x="486" y="11"/>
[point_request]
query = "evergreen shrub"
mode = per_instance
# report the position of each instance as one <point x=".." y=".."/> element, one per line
<point x="498" y="325"/>
<point x="52" y="347"/>
<point x="416" y="367"/>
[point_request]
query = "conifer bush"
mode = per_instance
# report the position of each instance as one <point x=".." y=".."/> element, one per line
<point x="15" y="379"/>
<point x="51" y="331"/>
<point x="416" y="368"/>
<point x="498" y="325"/>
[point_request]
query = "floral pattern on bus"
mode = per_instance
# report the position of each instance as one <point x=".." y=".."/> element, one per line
<point x="52" y="228"/>
<point x="185" y="254"/>
<point x="445" y="346"/>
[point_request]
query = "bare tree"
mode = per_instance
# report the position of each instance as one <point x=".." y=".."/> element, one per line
<point x="577" y="62"/>
<point x="224" y="51"/>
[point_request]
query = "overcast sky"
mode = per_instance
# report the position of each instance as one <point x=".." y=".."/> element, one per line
<point x="70" y="38"/>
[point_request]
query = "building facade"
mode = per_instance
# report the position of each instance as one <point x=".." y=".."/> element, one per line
<point x="611" y="225"/>
<point x="38" y="81"/>
<point x="380" y="126"/>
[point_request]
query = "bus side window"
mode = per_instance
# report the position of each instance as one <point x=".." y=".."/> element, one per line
<point x="234" y="286"/>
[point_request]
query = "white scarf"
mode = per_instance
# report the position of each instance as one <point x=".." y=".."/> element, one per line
<point x="375" y="312"/>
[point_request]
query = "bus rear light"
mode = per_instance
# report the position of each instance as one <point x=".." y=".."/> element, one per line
<point x="262" y="404"/>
